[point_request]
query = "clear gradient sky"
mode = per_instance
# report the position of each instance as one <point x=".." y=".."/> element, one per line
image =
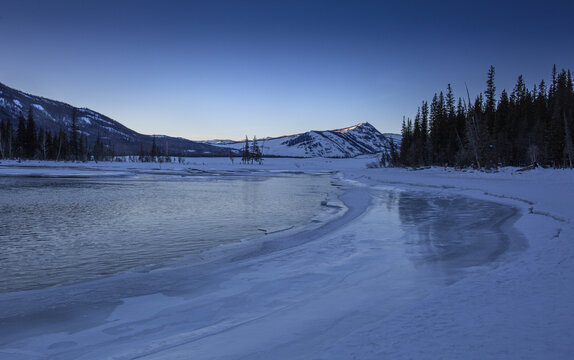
<point x="224" y="69"/>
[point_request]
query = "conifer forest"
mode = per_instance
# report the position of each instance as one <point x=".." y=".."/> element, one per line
<point x="520" y="128"/>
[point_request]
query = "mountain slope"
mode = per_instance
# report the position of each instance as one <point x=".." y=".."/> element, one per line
<point x="353" y="141"/>
<point x="55" y="115"/>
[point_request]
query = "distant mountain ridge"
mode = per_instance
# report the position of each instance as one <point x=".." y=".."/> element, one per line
<point x="360" y="139"/>
<point x="55" y="115"/>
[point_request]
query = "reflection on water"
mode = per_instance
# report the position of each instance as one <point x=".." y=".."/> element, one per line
<point x="58" y="231"/>
<point x="454" y="230"/>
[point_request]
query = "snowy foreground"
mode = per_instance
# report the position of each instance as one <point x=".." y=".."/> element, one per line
<point x="320" y="292"/>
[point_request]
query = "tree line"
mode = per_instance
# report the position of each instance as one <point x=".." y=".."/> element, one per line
<point x="29" y="142"/>
<point x="525" y="127"/>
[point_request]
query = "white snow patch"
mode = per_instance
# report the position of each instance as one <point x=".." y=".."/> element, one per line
<point x="117" y="132"/>
<point x="41" y="109"/>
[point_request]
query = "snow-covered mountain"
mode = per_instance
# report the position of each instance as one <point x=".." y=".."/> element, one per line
<point x="360" y="139"/>
<point x="55" y="115"/>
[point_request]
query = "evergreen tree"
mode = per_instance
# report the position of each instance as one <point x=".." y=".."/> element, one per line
<point x="21" y="137"/>
<point x="502" y="120"/>
<point x="256" y="154"/>
<point x="451" y="141"/>
<point x="461" y="157"/>
<point x="43" y="143"/>
<point x="3" y="139"/>
<point x="490" y="107"/>
<point x="450" y="102"/>
<point x="7" y="140"/>
<point x="141" y="156"/>
<point x="417" y="141"/>
<point x="407" y="153"/>
<point x="246" y="156"/>
<point x="394" y="154"/>
<point x="98" y="150"/>
<point x="154" y="152"/>
<point x="80" y="155"/>
<point x="30" y="137"/>
<point x="74" y="143"/>
<point x="425" y="133"/>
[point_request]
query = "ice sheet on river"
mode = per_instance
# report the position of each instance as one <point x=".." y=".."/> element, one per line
<point x="294" y="296"/>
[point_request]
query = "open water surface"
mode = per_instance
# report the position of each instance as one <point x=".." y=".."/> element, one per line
<point x="56" y="231"/>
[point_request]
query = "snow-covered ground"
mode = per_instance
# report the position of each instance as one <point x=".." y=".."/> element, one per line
<point x="322" y="292"/>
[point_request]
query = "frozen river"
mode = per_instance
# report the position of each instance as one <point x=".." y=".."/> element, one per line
<point x="56" y="231"/>
<point x="293" y="294"/>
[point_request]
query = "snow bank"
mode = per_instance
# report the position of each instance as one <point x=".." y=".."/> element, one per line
<point x="521" y="310"/>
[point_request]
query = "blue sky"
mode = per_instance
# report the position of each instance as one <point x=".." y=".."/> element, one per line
<point x="226" y="69"/>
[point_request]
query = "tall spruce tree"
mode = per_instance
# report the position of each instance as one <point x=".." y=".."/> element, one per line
<point x="30" y="138"/>
<point x="154" y="152"/>
<point x="256" y="154"/>
<point x="74" y="143"/>
<point x="246" y="156"/>
<point x="21" y="135"/>
<point x="490" y="106"/>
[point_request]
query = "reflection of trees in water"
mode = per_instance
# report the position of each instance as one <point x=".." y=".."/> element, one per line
<point x="455" y="230"/>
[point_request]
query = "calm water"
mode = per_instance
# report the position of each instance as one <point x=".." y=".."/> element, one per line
<point x="61" y="231"/>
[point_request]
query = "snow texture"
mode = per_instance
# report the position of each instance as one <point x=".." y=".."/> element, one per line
<point x="338" y="290"/>
<point x="353" y="141"/>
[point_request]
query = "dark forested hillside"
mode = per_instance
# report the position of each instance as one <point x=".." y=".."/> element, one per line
<point x="523" y="127"/>
<point x="33" y="127"/>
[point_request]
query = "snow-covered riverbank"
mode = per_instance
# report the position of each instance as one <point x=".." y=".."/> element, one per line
<point x="521" y="310"/>
<point x="328" y="298"/>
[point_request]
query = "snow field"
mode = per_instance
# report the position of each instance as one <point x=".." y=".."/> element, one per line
<point x="324" y="298"/>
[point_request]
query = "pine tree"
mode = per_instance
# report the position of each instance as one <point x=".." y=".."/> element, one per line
<point x="43" y="144"/>
<point x="450" y="102"/>
<point x="63" y="149"/>
<point x="153" y="152"/>
<point x="451" y="141"/>
<point x="405" y="143"/>
<point x="246" y="155"/>
<point x="490" y="107"/>
<point x="425" y="133"/>
<point x="21" y="135"/>
<point x="98" y="151"/>
<point x="3" y="139"/>
<point x="393" y="153"/>
<point x="231" y="156"/>
<point x="80" y="155"/>
<point x="141" y="156"/>
<point x="30" y="138"/>
<point x="417" y="144"/>
<point x="256" y="154"/>
<point x="502" y="121"/>
<point x="74" y="143"/>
